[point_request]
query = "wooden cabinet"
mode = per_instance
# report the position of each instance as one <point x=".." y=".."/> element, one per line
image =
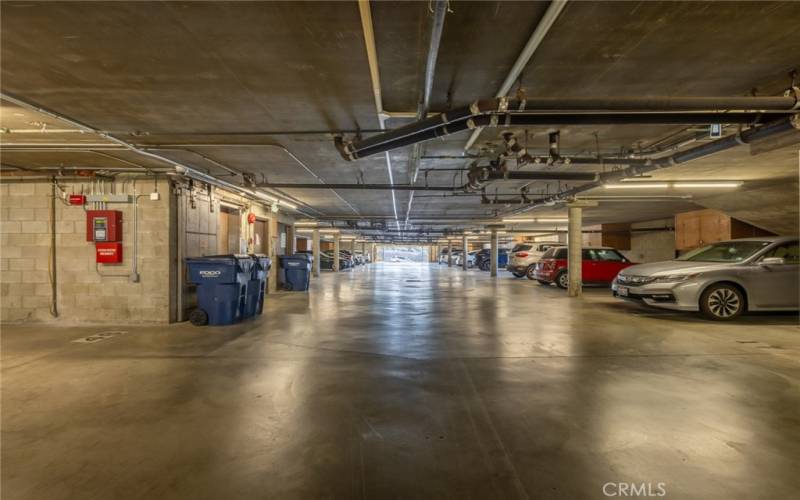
<point x="701" y="227"/>
<point x="617" y="236"/>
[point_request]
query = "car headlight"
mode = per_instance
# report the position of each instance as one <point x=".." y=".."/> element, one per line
<point x="674" y="278"/>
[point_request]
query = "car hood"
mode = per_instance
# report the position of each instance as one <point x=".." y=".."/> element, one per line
<point x="673" y="267"/>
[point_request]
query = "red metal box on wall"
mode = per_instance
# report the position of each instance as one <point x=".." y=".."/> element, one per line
<point x="108" y="253"/>
<point x="103" y="225"/>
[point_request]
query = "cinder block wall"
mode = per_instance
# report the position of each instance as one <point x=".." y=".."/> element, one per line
<point x="83" y="294"/>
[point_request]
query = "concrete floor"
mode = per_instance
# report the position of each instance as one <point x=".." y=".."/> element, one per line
<point x="407" y="381"/>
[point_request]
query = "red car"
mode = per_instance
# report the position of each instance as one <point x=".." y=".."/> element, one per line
<point x="600" y="266"/>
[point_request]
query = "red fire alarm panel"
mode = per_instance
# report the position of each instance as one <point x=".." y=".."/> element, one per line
<point x="77" y="199"/>
<point x="108" y="253"/>
<point x="103" y="225"/>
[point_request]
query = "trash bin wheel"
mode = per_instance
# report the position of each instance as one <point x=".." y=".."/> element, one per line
<point x="198" y="317"/>
<point x="287" y="286"/>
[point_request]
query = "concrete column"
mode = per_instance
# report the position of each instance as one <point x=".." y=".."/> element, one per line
<point x="336" y="252"/>
<point x="449" y="253"/>
<point x="574" y="243"/>
<point x="364" y="249"/>
<point x="494" y="252"/>
<point x="464" y="247"/>
<point x="315" y="253"/>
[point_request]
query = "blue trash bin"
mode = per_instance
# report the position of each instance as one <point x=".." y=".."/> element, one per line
<point x="295" y="272"/>
<point x="259" y="283"/>
<point x="221" y="288"/>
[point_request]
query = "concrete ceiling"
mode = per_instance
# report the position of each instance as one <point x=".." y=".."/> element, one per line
<point x="223" y="83"/>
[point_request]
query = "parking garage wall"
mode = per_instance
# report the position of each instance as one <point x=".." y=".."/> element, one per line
<point x="85" y="293"/>
<point x="655" y="245"/>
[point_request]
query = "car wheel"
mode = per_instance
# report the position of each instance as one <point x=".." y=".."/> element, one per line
<point x="722" y="302"/>
<point x="529" y="272"/>
<point x="562" y="280"/>
<point x="543" y="282"/>
<point x="517" y="274"/>
<point x="484" y="266"/>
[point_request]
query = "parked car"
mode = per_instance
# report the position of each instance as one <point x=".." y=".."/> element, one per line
<point x="443" y="255"/>
<point x="484" y="261"/>
<point x="721" y="280"/>
<point x="458" y="255"/>
<point x="524" y="256"/>
<point x="458" y="258"/>
<point x="471" y="258"/>
<point x="599" y="267"/>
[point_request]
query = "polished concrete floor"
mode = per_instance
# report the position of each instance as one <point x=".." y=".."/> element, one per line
<point x="408" y="381"/>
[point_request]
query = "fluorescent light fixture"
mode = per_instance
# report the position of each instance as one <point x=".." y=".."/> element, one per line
<point x="287" y="204"/>
<point x="264" y="196"/>
<point x="304" y="223"/>
<point x="229" y="205"/>
<point x="707" y="184"/>
<point x="542" y="220"/>
<point x="638" y="185"/>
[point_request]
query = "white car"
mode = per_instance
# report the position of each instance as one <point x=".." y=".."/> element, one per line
<point x="458" y="257"/>
<point x="524" y="256"/>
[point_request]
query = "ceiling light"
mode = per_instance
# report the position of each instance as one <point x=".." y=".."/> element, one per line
<point x="306" y="223"/>
<point x="546" y="220"/>
<point x="707" y="184"/>
<point x="287" y="204"/>
<point x="638" y="185"/>
<point x="518" y="220"/>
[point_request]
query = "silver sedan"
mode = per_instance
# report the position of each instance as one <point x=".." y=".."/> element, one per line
<point x="722" y="280"/>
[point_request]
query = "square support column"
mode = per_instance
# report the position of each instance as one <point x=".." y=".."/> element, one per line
<point x="464" y="255"/>
<point x="494" y="253"/>
<point x="336" y="264"/>
<point x="449" y="253"/>
<point x="575" y="246"/>
<point x="575" y="251"/>
<point x="316" y="254"/>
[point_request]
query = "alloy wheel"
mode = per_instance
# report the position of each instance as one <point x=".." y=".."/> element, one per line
<point x="724" y="302"/>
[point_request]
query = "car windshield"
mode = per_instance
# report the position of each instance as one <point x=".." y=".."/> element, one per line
<point x="521" y="248"/>
<point x="729" y="251"/>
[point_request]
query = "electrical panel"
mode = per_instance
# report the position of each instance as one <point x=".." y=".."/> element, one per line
<point x="103" y="225"/>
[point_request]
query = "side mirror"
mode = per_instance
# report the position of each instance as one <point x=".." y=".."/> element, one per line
<point x="772" y="261"/>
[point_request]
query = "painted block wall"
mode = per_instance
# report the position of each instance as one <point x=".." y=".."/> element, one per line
<point x="83" y="294"/>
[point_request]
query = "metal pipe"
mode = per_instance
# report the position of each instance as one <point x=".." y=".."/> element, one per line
<point x="276" y="146"/>
<point x="437" y="26"/>
<point x="397" y="187"/>
<point x="52" y="262"/>
<point x="541" y="30"/>
<point x="132" y="147"/>
<point x="748" y="136"/>
<point x="375" y="78"/>
<point x="355" y="151"/>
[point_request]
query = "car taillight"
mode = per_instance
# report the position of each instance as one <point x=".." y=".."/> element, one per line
<point x="521" y="254"/>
